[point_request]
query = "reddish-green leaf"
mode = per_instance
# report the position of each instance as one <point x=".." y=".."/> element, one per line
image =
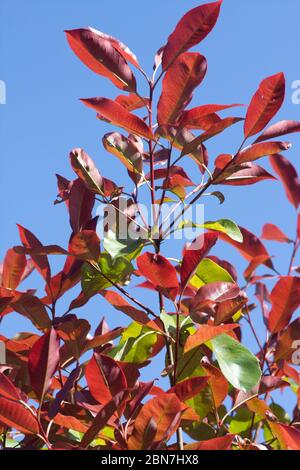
<point x="85" y="245"/>
<point x="285" y="299"/>
<point x="43" y="361"/>
<point x="193" y="27"/>
<point x="125" y="149"/>
<point x="104" y="377"/>
<point x="250" y="174"/>
<point x="98" y="53"/>
<point x="86" y="170"/>
<point x="288" y="436"/>
<point x="193" y="255"/>
<point x="289" y="177"/>
<point x="160" y="272"/>
<point x="119" y="116"/>
<point x="265" y="104"/>
<point x="186" y="73"/>
<point x="206" y="333"/>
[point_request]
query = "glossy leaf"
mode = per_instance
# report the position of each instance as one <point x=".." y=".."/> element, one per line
<point x="206" y="333"/>
<point x="236" y="362"/>
<point x="98" y="53"/>
<point x="256" y="151"/>
<point x="218" y="443"/>
<point x="105" y="378"/>
<point x="285" y="299"/>
<point x="160" y="272"/>
<point x="186" y="73"/>
<point x="265" y="104"/>
<point x="125" y="149"/>
<point x="119" y="116"/>
<point x="188" y="388"/>
<point x="193" y="255"/>
<point x="86" y="170"/>
<point x="279" y="129"/>
<point x="194" y="118"/>
<point x="15" y="415"/>
<point x="193" y="27"/>
<point x="289" y="178"/>
<point x="250" y="247"/>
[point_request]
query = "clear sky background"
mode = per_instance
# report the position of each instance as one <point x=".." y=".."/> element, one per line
<point x="43" y="118"/>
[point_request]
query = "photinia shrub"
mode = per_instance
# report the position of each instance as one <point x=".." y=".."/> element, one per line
<point x="65" y="387"/>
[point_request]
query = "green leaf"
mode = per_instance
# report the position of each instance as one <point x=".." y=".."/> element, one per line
<point x="238" y="364"/>
<point x="135" y="345"/>
<point x="209" y="271"/>
<point x="242" y="422"/>
<point x="128" y="248"/>
<point x="117" y="270"/>
<point x="222" y="225"/>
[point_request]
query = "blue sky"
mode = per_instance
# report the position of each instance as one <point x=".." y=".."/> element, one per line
<point x="43" y="118"/>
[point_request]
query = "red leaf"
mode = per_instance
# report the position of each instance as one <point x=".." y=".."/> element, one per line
<point x="250" y="247"/>
<point x="218" y="443"/>
<point x="43" y="361"/>
<point x="189" y="388"/>
<point x="131" y="101"/>
<point x="160" y="272"/>
<point x="162" y="413"/>
<point x="251" y="174"/>
<point x="15" y="415"/>
<point x="256" y="151"/>
<point x="265" y="104"/>
<point x="40" y="262"/>
<point x="285" y="299"/>
<point x="8" y="389"/>
<point x="215" y="129"/>
<point x="14" y="266"/>
<point x="103" y="416"/>
<point x="289" y="177"/>
<point x="32" y="308"/>
<point x="193" y="118"/>
<point x="121" y="304"/>
<point x="119" y="116"/>
<point x="193" y="255"/>
<point x="193" y="27"/>
<point x="288" y="436"/>
<point x="81" y="203"/>
<point x="62" y="394"/>
<point x="272" y="232"/>
<point x="98" y="53"/>
<point x="104" y="377"/>
<point x="85" y="245"/>
<point x="206" y="333"/>
<point x="279" y="129"/>
<point x="178" y="85"/>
